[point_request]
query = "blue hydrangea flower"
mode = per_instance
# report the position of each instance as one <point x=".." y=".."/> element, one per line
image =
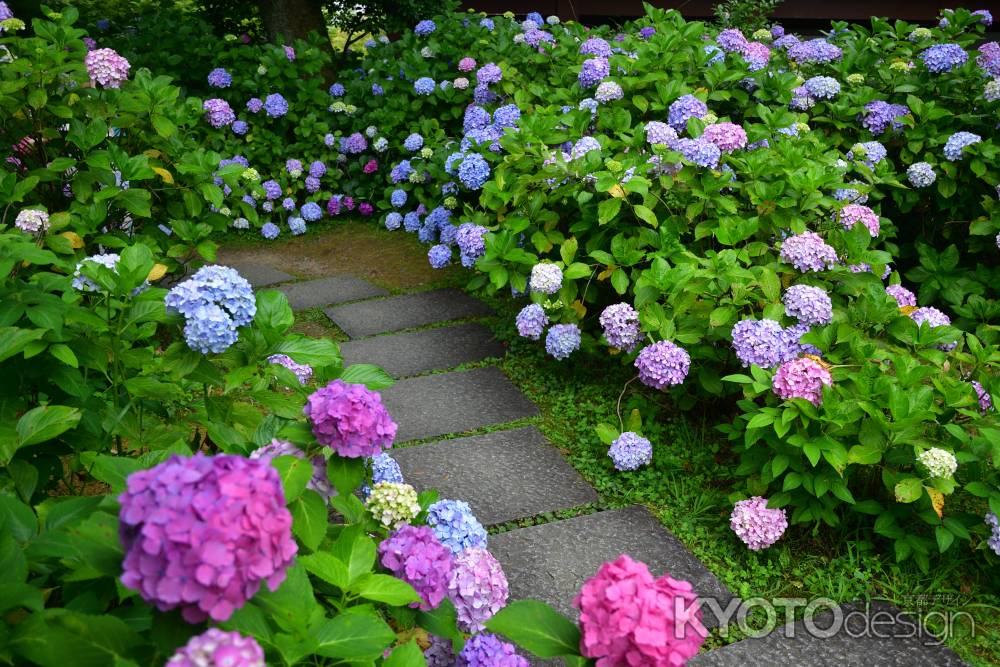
<point x="239" y="127"/>
<point x="808" y="304"/>
<point x="398" y="198"/>
<point x="411" y="221"/>
<point x="414" y="142"/>
<point x="823" y="87"/>
<point x="270" y="231"/>
<point x="275" y="105"/>
<point x="439" y="256"/>
<point x="424" y="85"/>
<point x="384" y="469"/>
<point x="448" y="233"/>
<point x="506" y="116"/>
<point x="630" y="451"/>
<point x="456" y="526"/>
<point x="593" y="71"/>
<point x="699" y="151"/>
<point x="393" y="221"/>
<point x="684" y="108"/>
<point x="944" y="57"/>
<point x="311" y="211"/>
<point x="473" y="171"/>
<point x="297" y="226"/>
<point x="425" y="28"/>
<point x="272" y="189"/>
<point x="220" y="78"/>
<point x="921" y="174"/>
<point x="210" y="329"/>
<point x="531" y="321"/>
<point x="377" y="90"/>
<point x="956" y="144"/>
<point x="427" y="233"/>
<point x="337" y="90"/>
<point x="562" y="340"/>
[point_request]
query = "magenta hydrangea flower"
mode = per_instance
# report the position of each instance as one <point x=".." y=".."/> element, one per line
<point x="808" y="252"/>
<point x="350" y="419"/>
<point x="620" y="322"/>
<point x="629" y="618"/>
<point x="215" y="648"/>
<point x="801" y="378"/>
<point x="106" y="67"/>
<point x="728" y="137"/>
<point x="203" y="532"/>
<point x="855" y="213"/>
<point x="757" y="525"/>
<point x="466" y="64"/>
<point x="415" y="555"/>
<point x="662" y="364"/>
<point x="903" y="296"/>
<point x="488" y="650"/>
<point x="320" y="481"/>
<point x="477" y="587"/>
<point x="808" y="304"/>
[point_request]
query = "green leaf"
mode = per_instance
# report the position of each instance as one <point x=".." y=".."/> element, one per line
<point x="944" y="538"/>
<point x="274" y="315"/>
<point x="577" y="270"/>
<point x="327" y="567"/>
<point x="345" y="474"/>
<point x="112" y="470"/>
<point x="406" y="655"/>
<point x="353" y="637"/>
<point x="371" y="376"/>
<point x="46" y="422"/>
<point x="865" y="454"/>
<point x="441" y="621"/>
<point x="384" y="588"/>
<point x="608" y="209"/>
<point x="606" y="433"/>
<point x="14" y="340"/>
<point x="538" y="628"/>
<point x="295" y="474"/>
<point x="59" y="637"/>
<point x="908" y="490"/>
<point x="64" y="354"/>
<point x="309" y="518"/>
<point x="646" y="215"/>
<point x="315" y="352"/>
<point x="567" y="251"/>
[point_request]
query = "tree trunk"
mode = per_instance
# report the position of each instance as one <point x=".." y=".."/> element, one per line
<point x="285" y="20"/>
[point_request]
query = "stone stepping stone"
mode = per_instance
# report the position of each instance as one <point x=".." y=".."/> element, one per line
<point x="852" y="636"/>
<point x="405" y="312"/>
<point x="455" y="402"/>
<point x="406" y="354"/>
<point x="503" y="475"/>
<point x="333" y="289"/>
<point x="550" y="562"/>
<point x="260" y="274"/>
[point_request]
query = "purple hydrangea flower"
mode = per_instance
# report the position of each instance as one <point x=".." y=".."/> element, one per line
<point x="921" y="174"/>
<point x="852" y="214"/>
<point x="662" y="364"/>
<point x="303" y="372"/>
<point x="220" y="78"/>
<point x="275" y="105"/>
<point x="944" y="57"/>
<point x="903" y="296"/>
<point x="439" y="256"/>
<point x="762" y="342"/>
<point x="732" y="40"/>
<point x="193" y="539"/>
<point x="354" y="143"/>
<point x="489" y="74"/>
<point x="106" y="67"/>
<point x="989" y="58"/>
<point x="218" y="113"/>
<point x="808" y="304"/>
<point x="608" y="91"/>
<point x="620" y="322"/>
<point x="455" y="525"/>
<point x="684" y="108"/>
<point x="957" y="143"/>
<point x="562" y="340"/>
<point x="801" y="378"/>
<point x="593" y="71"/>
<point x="471" y="240"/>
<point x="985" y="401"/>
<point x="647" y="32"/>
<point x="255" y="104"/>
<point x="630" y="451"/>
<point x="808" y="252"/>
<point x="487" y="650"/>
<point x="240" y="127"/>
<point x="879" y="116"/>
<point x="415" y="555"/>
<point x="994" y="540"/>
<point x="934" y="318"/>
<point x="757" y="525"/>
<point x="658" y="133"/>
<point x="595" y="46"/>
<point x="216" y="647"/>
<point x="814" y="51"/>
<point x="350" y="419"/>
<point x="531" y="321"/>
<point x="477" y="587"/>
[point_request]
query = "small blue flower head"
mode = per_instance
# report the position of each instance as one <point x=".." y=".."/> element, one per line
<point x="398" y="198"/>
<point x="384" y="469"/>
<point x="393" y="221"/>
<point x="414" y="142"/>
<point x="411" y="221"/>
<point x="337" y="90"/>
<point x="562" y="340"/>
<point x="439" y="256"/>
<point x="297" y="226"/>
<point x="312" y="211"/>
<point x="473" y="171"/>
<point x="425" y="28"/>
<point x="270" y="231"/>
<point x="456" y="526"/>
<point x="424" y="85"/>
<point x="210" y="329"/>
<point x="630" y="451"/>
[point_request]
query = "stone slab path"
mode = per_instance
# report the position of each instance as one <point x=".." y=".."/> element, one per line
<point x="514" y="472"/>
<point x="261" y="275"/>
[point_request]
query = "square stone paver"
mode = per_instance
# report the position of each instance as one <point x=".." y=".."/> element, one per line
<point x="333" y="289"/>
<point x="405" y="354"/>
<point x="550" y="562"/>
<point x="260" y="274"/>
<point x="853" y="636"/>
<point x="456" y="402"/>
<point x="405" y="311"/>
<point x="503" y="476"/>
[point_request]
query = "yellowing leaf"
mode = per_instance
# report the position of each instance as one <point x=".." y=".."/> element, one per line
<point x="157" y="272"/>
<point x="606" y="273"/>
<point x="152" y="152"/>
<point x="906" y="310"/>
<point x="579" y="308"/>
<point x="73" y="238"/>
<point x="616" y="191"/>
<point x="165" y="175"/>
<point x="937" y="500"/>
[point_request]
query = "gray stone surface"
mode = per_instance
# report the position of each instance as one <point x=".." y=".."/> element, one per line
<point x="435" y="405"/>
<point x="503" y="475"/>
<point x="333" y="289"/>
<point x="261" y="275"/>
<point x="550" y="562"/>
<point x="405" y="312"/>
<point x="405" y="354"/>
<point x="855" y="636"/>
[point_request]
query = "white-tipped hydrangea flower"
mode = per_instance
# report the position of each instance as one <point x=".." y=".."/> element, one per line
<point x="757" y="525"/>
<point x="546" y="278"/>
<point x="660" y="134"/>
<point x="921" y="174"/>
<point x="393" y="503"/>
<point x="939" y="462"/>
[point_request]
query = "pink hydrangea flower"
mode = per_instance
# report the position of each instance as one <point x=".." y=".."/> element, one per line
<point x="477" y="587"/>
<point x="370" y="167"/>
<point x="728" y="137"/>
<point x="629" y="618"/>
<point x="215" y="647"/>
<point x="203" y="532"/>
<point x="758" y="526"/>
<point x="350" y="419"/>
<point x="855" y="213"/>
<point x="801" y="378"/>
<point x="106" y="67"/>
<point x="466" y="64"/>
<point x="415" y="555"/>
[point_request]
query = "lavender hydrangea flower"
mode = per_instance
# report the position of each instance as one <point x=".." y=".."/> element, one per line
<point x="934" y="318"/>
<point x="350" y="419"/>
<point x="944" y="57"/>
<point x="732" y="40"/>
<point x="220" y="78"/>
<point x="761" y="342"/>
<point x="414" y="142"/>
<point x="216" y="647"/>
<point x="106" y="67"/>
<point x="303" y="372"/>
<point x="562" y="340"/>
<point x="630" y="451"/>
<point x="487" y="650"/>
<point x="583" y="146"/>
<point x="903" y="296"/>
<point x="728" y="137"/>
<point x="620" y="322"/>
<point x="477" y="587"/>
<point x="757" y="525"/>
<point x="989" y="58"/>
<point x="192" y="540"/>
<point x="658" y="133"/>
<point x="879" y="116"/>
<point x="311" y="211"/>
<point x="957" y="143"/>
<point x="319" y="482"/>
<point x="994" y="540"/>
<point x="814" y="51"/>
<point x="275" y="105"/>
<point x="32" y="221"/>
<point x="218" y="113"/>
<point x="531" y="321"/>
<point x="415" y="555"/>
<point x="546" y="278"/>
<point x="822" y="87"/>
<point x="270" y="231"/>
<point x="801" y="378"/>
<point x="808" y="252"/>
<point x="593" y="71"/>
<point x="684" y="108"/>
<point x="852" y="214"/>
<point x="921" y="175"/>
<point x="489" y="74"/>
<point x="983" y="396"/>
<point x="455" y="525"/>
<point x="471" y="240"/>
<point x="595" y="46"/>
<point x="662" y="364"/>
<point x="808" y="304"/>
<point x="701" y="152"/>
<point x="608" y="91"/>
<point x="354" y="143"/>
<point x="439" y="256"/>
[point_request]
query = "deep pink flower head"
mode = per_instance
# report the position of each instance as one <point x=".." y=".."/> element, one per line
<point x="728" y="137"/>
<point x="366" y="209"/>
<point x="415" y="555"/>
<point x="350" y="419"/>
<point x="370" y="167"/>
<point x="855" y="213"/>
<point x="801" y="378"/>
<point x="629" y="618"/>
<point x="477" y="587"/>
<point x="106" y="67"/>
<point x="203" y="532"/>
<point x="466" y="64"/>
<point x="215" y="647"/>
<point x="755" y="524"/>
